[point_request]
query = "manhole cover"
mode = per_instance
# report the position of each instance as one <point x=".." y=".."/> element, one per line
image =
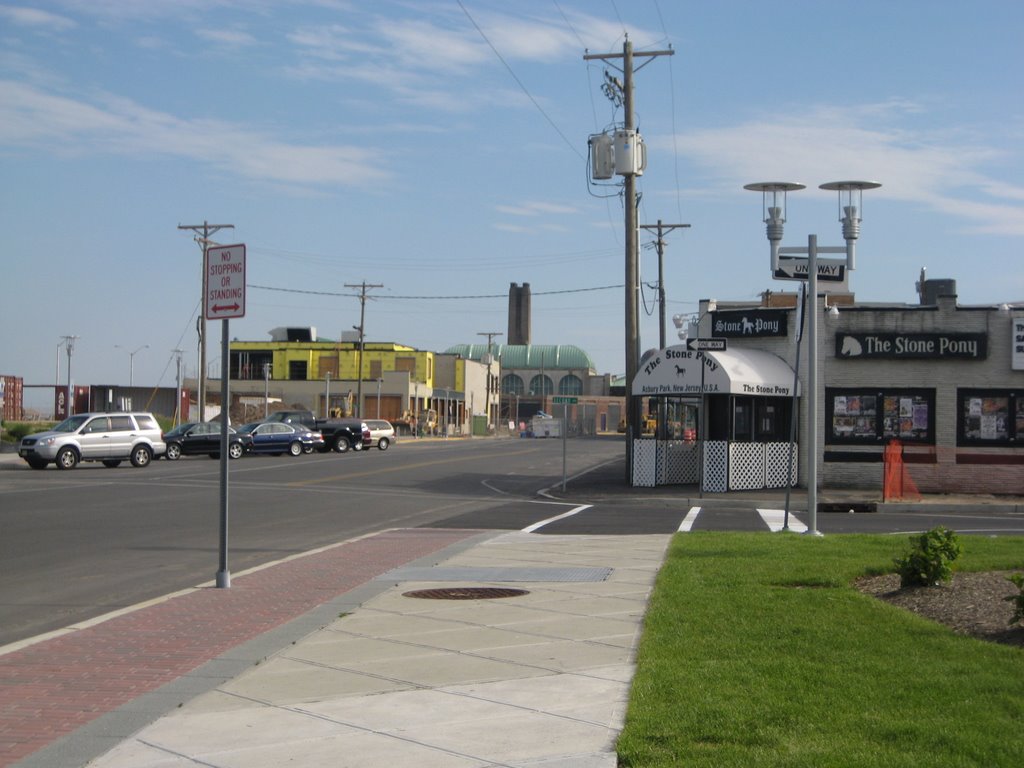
<point x="465" y="593"/>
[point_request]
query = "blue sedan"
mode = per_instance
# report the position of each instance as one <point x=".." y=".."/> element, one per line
<point x="277" y="438"/>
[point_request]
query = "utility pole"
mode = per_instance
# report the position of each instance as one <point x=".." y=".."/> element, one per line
<point x="203" y="232"/>
<point x="662" y="229"/>
<point x="490" y="358"/>
<point x="363" y="288"/>
<point x="632" y="270"/>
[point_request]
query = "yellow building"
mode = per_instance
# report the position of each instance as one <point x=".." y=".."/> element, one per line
<point x="382" y="380"/>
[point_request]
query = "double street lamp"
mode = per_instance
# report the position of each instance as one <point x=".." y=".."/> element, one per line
<point x="774" y="195"/>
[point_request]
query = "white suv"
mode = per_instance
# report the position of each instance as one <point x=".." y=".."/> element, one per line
<point x="382" y="434"/>
<point x="107" y="437"/>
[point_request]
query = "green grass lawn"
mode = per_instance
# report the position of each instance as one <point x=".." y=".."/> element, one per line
<point x="758" y="651"/>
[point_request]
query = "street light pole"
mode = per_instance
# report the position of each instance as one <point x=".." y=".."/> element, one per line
<point x="131" y="363"/>
<point x="775" y="219"/>
<point x="177" y="392"/>
<point x="69" y="345"/>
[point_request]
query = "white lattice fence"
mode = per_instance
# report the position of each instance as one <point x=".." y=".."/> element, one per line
<point x="746" y="466"/>
<point x="716" y="466"/>
<point x="645" y="463"/>
<point x="776" y="461"/>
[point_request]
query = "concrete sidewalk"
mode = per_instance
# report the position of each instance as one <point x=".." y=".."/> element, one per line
<point x="537" y="679"/>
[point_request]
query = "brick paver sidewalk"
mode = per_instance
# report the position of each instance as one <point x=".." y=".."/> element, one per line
<point x="50" y="689"/>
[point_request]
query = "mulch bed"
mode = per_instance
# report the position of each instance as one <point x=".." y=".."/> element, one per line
<point x="972" y="604"/>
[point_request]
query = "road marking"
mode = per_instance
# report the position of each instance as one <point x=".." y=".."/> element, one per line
<point x="774" y="519"/>
<point x="691" y="517"/>
<point x="570" y="513"/>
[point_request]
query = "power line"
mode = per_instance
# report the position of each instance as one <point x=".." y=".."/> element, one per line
<point x="519" y="82"/>
<point x="429" y="298"/>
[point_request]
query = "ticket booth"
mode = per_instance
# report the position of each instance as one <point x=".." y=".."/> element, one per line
<point x="744" y="401"/>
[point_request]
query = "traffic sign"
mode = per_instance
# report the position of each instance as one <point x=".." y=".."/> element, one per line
<point x="707" y="345"/>
<point x="225" y="282"/>
<point x="829" y="270"/>
<point x="564" y="400"/>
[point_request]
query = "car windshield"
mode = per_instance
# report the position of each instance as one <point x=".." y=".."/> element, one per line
<point x="71" y="424"/>
<point x="248" y="428"/>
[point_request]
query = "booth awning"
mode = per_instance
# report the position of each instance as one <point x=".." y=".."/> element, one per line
<point x="676" y="371"/>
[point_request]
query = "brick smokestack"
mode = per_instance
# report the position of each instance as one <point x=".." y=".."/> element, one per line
<point x="519" y="314"/>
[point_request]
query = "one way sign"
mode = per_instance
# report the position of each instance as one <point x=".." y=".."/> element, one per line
<point x="830" y="270"/>
<point x="707" y="345"/>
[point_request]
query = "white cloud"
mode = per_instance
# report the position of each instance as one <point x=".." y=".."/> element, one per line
<point x="31" y="117"/>
<point x="536" y="208"/>
<point x="228" y="37"/>
<point x="35" y="18"/>
<point x="938" y="170"/>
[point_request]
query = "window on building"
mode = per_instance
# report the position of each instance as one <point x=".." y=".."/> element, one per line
<point x="541" y="385"/>
<point x="297" y="370"/>
<point x="512" y="384"/>
<point x="871" y="415"/>
<point x="570" y="385"/>
<point x="990" y="416"/>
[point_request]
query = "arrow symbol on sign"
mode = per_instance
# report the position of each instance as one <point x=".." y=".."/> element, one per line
<point x="221" y="308"/>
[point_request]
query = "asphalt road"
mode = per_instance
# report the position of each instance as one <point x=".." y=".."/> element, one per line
<point x="79" y="544"/>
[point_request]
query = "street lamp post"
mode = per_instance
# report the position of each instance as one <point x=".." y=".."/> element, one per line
<point x="774" y="205"/>
<point x="177" y="392"/>
<point x="69" y="345"/>
<point x="266" y="389"/>
<point x="131" y="363"/>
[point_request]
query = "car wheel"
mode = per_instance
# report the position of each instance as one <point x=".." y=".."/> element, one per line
<point x="383" y="443"/>
<point x="37" y="463"/>
<point x="67" y="458"/>
<point x="235" y="450"/>
<point x="141" y="456"/>
<point x="295" y="448"/>
<point x="357" y="446"/>
<point x="341" y="444"/>
<point x="111" y="463"/>
<point x="173" y="452"/>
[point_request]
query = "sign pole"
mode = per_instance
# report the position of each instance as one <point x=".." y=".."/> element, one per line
<point x="565" y="430"/>
<point x="224" y="298"/>
<point x="223" y="574"/>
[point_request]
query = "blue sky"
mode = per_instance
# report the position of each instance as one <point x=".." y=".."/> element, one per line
<point x="440" y="149"/>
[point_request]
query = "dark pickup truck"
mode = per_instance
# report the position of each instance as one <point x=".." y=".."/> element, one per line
<point x="339" y="434"/>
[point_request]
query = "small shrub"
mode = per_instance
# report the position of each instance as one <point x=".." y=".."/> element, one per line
<point x="1018" y="599"/>
<point x="13" y="431"/>
<point x="929" y="561"/>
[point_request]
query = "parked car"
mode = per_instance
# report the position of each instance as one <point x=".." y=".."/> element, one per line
<point x="339" y="434"/>
<point x="179" y="430"/>
<point x="277" y="438"/>
<point x="201" y="438"/>
<point x="382" y="434"/>
<point x="107" y="437"/>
